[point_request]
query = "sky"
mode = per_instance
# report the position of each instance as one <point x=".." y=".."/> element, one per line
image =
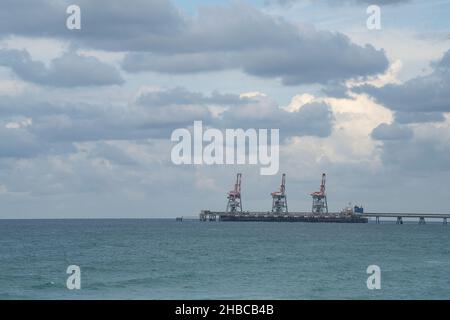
<point x="86" y="115"/>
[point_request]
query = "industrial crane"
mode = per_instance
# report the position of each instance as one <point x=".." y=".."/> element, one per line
<point x="320" y="205"/>
<point x="234" y="196"/>
<point x="279" y="198"/>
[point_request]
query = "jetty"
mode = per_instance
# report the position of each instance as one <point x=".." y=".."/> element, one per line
<point x="319" y="210"/>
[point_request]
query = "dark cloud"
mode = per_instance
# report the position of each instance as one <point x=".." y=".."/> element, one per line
<point x="54" y="128"/>
<point x="158" y="27"/>
<point x="33" y="18"/>
<point x="183" y="63"/>
<point x="336" y="90"/>
<point x="324" y="57"/>
<point x="117" y="123"/>
<point x="69" y="70"/>
<point x="18" y="143"/>
<point x="420" y="100"/>
<point x="314" y="119"/>
<point x="428" y="94"/>
<point x="418" y="117"/>
<point x="23" y="143"/>
<point x="239" y="36"/>
<point x="107" y="22"/>
<point x="392" y="132"/>
<point x="260" y="112"/>
<point x="105" y="150"/>
<point x="318" y="58"/>
<point x="234" y="36"/>
<point x="180" y="96"/>
<point x="422" y="154"/>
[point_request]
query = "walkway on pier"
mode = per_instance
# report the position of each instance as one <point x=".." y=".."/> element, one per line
<point x="207" y="215"/>
<point x="400" y="215"/>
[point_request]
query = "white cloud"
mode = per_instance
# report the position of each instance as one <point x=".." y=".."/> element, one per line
<point x="390" y="76"/>
<point x="404" y="45"/>
<point x="298" y="101"/>
<point x="350" y="140"/>
<point x="41" y="49"/>
<point x="11" y="87"/>
<point x="253" y="94"/>
<point x="19" y="124"/>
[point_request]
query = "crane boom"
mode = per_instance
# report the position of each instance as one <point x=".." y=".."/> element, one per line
<point x="279" y="198"/>
<point x="234" y="197"/>
<point x="320" y="204"/>
<point x="322" y="186"/>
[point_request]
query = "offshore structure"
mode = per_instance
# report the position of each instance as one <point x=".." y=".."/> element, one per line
<point x="279" y="198"/>
<point x="319" y="210"/>
<point x="319" y="204"/>
<point x="280" y="212"/>
<point x="234" y="197"/>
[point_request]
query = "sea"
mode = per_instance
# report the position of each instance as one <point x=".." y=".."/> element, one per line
<point x="166" y="259"/>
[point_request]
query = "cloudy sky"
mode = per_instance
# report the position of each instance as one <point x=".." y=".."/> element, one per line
<point x="86" y="115"/>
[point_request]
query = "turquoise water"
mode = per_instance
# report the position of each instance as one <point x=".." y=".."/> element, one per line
<point x="164" y="259"/>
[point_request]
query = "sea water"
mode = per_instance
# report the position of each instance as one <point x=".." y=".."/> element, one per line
<point x="165" y="259"/>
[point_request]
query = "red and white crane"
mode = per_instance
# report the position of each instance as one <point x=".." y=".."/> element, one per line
<point x="320" y="205"/>
<point x="279" y="198"/>
<point x="234" y="196"/>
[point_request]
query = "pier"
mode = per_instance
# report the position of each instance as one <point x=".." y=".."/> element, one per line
<point x="399" y="216"/>
<point x="319" y="210"/>
<point x="207" y="215"/>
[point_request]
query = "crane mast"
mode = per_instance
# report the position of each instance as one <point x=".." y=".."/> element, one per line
<point x="234" y="203"/>
<point x="279" y="198"/>
<point x="320" y="205"/>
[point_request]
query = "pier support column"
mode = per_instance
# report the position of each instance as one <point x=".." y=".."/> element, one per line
<point x="399" y="220"/>
<point x="204" y="215"/>
<point x="422" y="220"/>
<point x="445" y="221"/>
<point x="377" y="220"/>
